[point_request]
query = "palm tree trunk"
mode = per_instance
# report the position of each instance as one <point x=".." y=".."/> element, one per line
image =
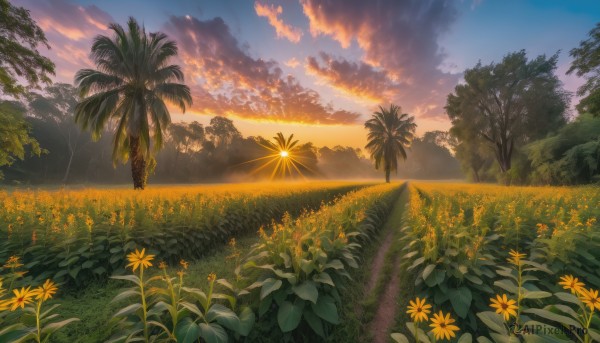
<point x="138" y="164"/>
<point x="387" y="175"/>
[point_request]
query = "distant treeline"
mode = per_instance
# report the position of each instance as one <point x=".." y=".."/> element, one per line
<point x="192" y="152"/>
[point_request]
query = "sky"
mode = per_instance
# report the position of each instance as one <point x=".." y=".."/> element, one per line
<point x="319" y="69"/>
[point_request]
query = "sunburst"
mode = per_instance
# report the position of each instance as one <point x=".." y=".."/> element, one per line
<point x="284" y="157"/>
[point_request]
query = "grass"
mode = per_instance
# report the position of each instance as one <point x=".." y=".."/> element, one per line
<point x="94" y="308"/>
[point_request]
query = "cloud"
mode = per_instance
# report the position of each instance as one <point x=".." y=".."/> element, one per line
<point x="283" y="30"/>
<point x="356" y="79"/>
<point x="70" y="29"/>
<point x="292" y="62"/>
<point x="399" y="37"/>
<point x="226" y="80"/>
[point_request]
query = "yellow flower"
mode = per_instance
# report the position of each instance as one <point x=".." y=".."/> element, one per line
<point x="515" y="257"/>
<point x="181" y="273"/>
<point x="139" y="259"/>
<point x="419" y="310"/>
<point x="442" y="326"/>
<point x="45" y="291"/>
<point x="22" y="297"/>
<point x="184" y="264"/>
<point x="590" y="299"/>
<point x="212" y="277"/>
<point x="504" y="306"/>
<point x="572" y="284"/>
<point x="162" y="265"/>
<point x="13" y="262"/>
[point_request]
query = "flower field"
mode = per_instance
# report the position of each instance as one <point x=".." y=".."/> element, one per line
<point x="81" y="236"/>
<point x="475" y="263"/>
<point x="504" y="262"/>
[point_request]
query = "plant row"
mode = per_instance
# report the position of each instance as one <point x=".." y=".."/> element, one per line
<point x="79" y="236"/>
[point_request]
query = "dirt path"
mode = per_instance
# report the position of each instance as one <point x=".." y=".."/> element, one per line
<point x="378" y="262"/>
<point x="386" y="312"/>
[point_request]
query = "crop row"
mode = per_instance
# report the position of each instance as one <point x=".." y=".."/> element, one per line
<point x="80" y="236"/>
<point x="468" y="245"/>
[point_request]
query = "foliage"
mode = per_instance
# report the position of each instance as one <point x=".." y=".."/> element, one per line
<point x="302" y="265"/>
<point x="457" y="240"/>
<point x="507" y="104"/>
<point x="19" y="59"/>
<point x="131" y="85"/>
<point x="80" y="236"/>
<point x="390" y="133"/>
<point x="24" y="317"/>
<point x="586" y="63"/>
<point x="571" y="156"/>
<point x="14" y="135"/>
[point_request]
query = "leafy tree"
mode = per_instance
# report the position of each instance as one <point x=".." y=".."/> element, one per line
<point x="222" y="131"/>
<point x="508" y="104"/>
<point x="571" y="156"/>
<point x="131" y="85"/>
<point x="19" y="58"/>
<point x="586" y="64"/>
<point x="14" y="134"/>
<point x="57" y="106"/>
<point x="390" y="133"/>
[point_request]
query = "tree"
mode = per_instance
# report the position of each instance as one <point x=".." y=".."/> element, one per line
<point x="586" y="64"/>
<point x="390" y="133"/>
<point x="57" y="106"/>
<point x="19" y="58"/>
<point x="131" y="85"/>
<point x="222" y="131"/>
<point x="14" y="134"/>
<point x="571" y="156"/>
<point x="508" y="104"/>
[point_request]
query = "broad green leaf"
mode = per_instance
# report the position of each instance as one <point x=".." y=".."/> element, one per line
<point x="307" y="291"/>
<point x="289" y="315"/>
<point x="213" y="333"/>
<point x="427" y="271"/>
<point x="247" y="319"/>
<point x="269" y="286"/>
<point x="223" y="316"/>
<point x="128" y="310"/>
<point x="436" y="277"/>
<point x="187" y="331"/>
<point x="536" y="294"/>
<point x="465" y="338"/>
<point x="314" y="322"/>
<point x="326" y="309"/>
<point x="399" y="338"/>
<point x="461" y="300"/>
<point x="493" y="321"/>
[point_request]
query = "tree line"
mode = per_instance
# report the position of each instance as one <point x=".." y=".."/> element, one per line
<point x="509" y="121"/>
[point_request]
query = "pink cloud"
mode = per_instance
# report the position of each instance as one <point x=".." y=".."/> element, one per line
<point x="70" y="30"/>
<point x="283" y="30"/>
<point x="399" y="37"/>
<point x="226" y="80"/>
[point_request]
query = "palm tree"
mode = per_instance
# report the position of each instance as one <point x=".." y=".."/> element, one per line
<point x="390" y="134"/>
<point x="130" y="86"/>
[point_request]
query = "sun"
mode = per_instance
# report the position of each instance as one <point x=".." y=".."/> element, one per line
<point x="283" y="156"/>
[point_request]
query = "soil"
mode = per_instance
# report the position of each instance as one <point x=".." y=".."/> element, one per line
<point x="386" y="312"/>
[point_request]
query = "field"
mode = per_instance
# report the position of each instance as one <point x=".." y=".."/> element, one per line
<point x="301" y="262"/>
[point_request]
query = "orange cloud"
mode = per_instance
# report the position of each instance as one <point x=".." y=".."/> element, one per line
<point x="357" y="80"/>
<point x="283" y="30"/>
<point x="226" y="80"/>
<point x="292" y="62"/>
